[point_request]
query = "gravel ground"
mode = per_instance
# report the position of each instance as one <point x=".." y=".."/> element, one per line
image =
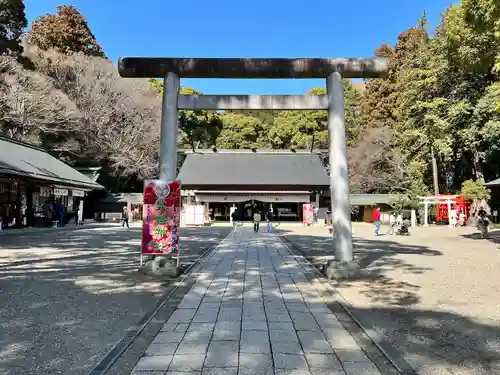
<point x="67" y="297"/>
<point x="432" y="296"/>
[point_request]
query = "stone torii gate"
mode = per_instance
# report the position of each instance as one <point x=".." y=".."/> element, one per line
<point x="333" y="70"/>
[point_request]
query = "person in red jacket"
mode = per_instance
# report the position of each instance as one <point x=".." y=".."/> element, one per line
<point x="376" y="219"/>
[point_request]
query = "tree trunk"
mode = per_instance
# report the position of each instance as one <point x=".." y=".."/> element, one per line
<point x="435" y="180"/>
<point x="478" y="170"/>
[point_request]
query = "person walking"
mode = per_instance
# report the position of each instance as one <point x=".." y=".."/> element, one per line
<point x="483" y="223"/>
<point x="234" y="217"/>
<point x="392" y="223"/>
<point x="256" y="221"/>
<point x="77" y="213"/>
<point x="269" y="218"/>
<point x="125" y="217"/>
<point x="376" y="220"/>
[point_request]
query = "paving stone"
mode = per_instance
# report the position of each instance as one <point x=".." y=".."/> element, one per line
<point x="209" y="305"/>
<point x="314" y="342"/>
<point x="297" y="306"/>
<point x="197" y="330"/>
<point x="327" y="320"/>
<point x="286" y="347"/>
<point x="190" y="303"/>
<point x="360" y="369"/>
<point x="277" y="326"/>
<point x="212" y="299"/>
<point x="234" y="303"/>
<point x="356" y="355"/>
<point x="154" y="363"/>
<point x="340" y="339"/>
<point x="181" y="327"/>
<point x="222" y="354"/>
<point x="255" y="361"/>
<point x="187" y="362"/>
<point x="193" y="347"/>
<point x="182" y="316"/>
<point x="290" y="361"/>
<point x="250" y="308"/>
<point x="283" y="335"/>
<point x="306" y="324"/>
<point x="220" y="371"/>
<point x="206" y="316"/>
<point x="328" y="361"/>
<point x="278" y="317"/>
<point x="169" y="327"/>
<point x="227" y="331"/>
<point x="251" y="325"/>
<point x="166" y="337"/>
<point x="162" y="349"/>
<point x="229" y="314"/>
<point x="280" y="371"/>
<point x="324" y="371"/>
<point x="254" y="342"/>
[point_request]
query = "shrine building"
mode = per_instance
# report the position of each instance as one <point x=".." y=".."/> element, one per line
<point x="281" y="180"/>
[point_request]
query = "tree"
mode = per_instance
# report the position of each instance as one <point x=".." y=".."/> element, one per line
<point x="31" y="109"/>
<point x="12" y="24"/>
<point x="242" y="131"/>
<point x="299" y="128"/>
<point x="377" y="105"/>
<point x="120" y="118"/>
<point x="477" y="194"/>
<point x="67" y="32"/>
<point x="377" y="165"/>
<point x="198" y="128"/>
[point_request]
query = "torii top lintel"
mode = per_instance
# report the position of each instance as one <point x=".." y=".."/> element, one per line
<point x="154" y="67"/>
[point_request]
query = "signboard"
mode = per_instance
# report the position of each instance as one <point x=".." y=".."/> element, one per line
<point x="77" y="193"/>
<point x="307" y="214"/>
<point x="194" y="215"/>
<point x="162" y="216"/>
<point x="45" y="191"/>
<point x="61" y="192"/>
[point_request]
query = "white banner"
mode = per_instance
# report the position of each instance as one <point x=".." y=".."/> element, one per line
<point x="77" y="193"/>
<point x="61" y="192"/>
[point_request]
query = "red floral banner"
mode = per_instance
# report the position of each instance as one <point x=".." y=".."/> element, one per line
<point x="162" y="216"/>
<point x="307" y="214"/>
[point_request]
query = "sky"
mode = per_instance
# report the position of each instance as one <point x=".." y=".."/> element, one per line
<point x="259" y="28"/>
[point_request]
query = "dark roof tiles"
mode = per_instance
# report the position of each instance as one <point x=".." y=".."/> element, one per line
<point x="300" y="169"/>
<point x="18" y="158"/>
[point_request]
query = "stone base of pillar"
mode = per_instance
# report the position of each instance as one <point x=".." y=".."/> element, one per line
<point x="161" y="266"/>
<point x="337" y="270"/>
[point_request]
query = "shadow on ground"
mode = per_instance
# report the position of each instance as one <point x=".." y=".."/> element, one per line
<point x="68" y="297"/>
<point x="434" y="342"/>
<point x="493" y="236"/>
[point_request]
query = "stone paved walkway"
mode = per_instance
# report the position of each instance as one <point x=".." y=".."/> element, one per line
<point x="252" y="311"/>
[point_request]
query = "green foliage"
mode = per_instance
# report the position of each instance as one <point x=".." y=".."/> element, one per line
<point x="242" y="131"/>
<point x="474" y="190"/>
<point x="403" y="203"/>
<point x="12" y="24"/>
<point x="299" y="129"/>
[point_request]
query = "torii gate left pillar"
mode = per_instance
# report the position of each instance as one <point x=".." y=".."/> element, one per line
<point x="333" y="70"/>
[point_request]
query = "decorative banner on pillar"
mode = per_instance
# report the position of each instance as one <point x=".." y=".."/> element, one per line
<point x="162" y="217"/>
<point x="307" y="214"/>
